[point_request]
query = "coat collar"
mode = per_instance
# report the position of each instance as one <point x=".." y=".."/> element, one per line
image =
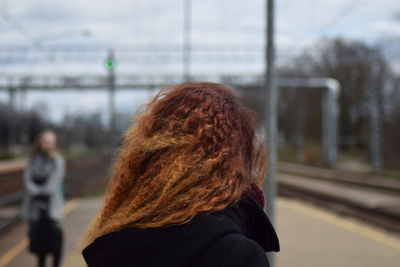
<point x="254" y="223"/>
<point x="245" y="217"/>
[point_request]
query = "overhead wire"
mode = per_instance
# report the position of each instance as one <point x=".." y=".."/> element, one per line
<point x="343" y="13"/>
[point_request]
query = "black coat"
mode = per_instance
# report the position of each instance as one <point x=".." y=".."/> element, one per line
<point x="237" y="236"/>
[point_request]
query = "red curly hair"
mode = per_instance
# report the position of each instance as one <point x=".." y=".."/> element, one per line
<point x="192" y="150"/>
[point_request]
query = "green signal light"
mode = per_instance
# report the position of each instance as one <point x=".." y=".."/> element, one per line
<point x="110" y="64"/>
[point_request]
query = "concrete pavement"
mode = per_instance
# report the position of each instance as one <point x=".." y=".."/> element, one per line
<point x="309" y="236"/>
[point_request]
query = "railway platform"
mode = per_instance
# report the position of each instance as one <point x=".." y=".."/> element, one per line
<point x="309" y="236"/>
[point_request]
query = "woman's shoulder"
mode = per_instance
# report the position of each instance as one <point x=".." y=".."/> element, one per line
<point x="58" y="158"/>
<point x="235" y="250"/>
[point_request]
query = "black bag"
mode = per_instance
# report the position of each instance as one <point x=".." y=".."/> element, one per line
<point x="40" y="179"/>
<point x="45" y="236"/>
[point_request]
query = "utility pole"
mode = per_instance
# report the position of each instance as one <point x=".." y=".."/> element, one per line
<point x="110" y="66"/>
<point x="375" y="104"/>
<point x="24" y="128"/>
<point x="187" y="9"/>
<point x="11" y="120"/>
<point x="375" y="128"/>
<point x="270" y="117"/>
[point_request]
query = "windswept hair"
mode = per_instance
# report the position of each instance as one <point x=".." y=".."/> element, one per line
<point x="192" y="150"/>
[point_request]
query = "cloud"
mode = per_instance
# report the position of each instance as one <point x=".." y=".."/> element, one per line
<point x="51" y="12"/>
<point x="386" y="28"/>
<point x="298" y="23"/>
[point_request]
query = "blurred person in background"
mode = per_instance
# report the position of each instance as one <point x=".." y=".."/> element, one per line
<point x="186" y="187"/>
<point x="42" y="206"/>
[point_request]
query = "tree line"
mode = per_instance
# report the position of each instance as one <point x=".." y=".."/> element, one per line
<point x="369" y="100"/>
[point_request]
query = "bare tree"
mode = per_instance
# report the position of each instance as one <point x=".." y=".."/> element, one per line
<point x="367" y="84"/>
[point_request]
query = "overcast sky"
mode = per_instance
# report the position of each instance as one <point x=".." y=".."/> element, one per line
<point x="299" y="24"/>
<point x="213" y="21"/>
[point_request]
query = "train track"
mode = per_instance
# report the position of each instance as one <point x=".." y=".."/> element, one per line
<point x="353" y="178"/>
<point x="375" y="200"/>
<point x="84" y="175"/>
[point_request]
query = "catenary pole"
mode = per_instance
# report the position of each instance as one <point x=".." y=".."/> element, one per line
<point x="186" y="39"/>
<point x="270" y="117"/>
<point x="110" y="66"/>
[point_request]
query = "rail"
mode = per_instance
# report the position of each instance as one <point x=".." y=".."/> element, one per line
<point x="372" y="199"/>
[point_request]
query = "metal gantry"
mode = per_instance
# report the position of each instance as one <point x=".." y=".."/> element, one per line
<point x="185" y="54"/>
<point x="19" y="84"/>
<point x="330" y="110"/>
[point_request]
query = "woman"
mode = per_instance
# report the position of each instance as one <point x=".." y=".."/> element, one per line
<point x="43" y="202"/>
<point x="183" y="191"/>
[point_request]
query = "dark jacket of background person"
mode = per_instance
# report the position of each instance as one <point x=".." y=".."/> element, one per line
<point x="52" y="171"/>
<point x="237" y="236"/>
